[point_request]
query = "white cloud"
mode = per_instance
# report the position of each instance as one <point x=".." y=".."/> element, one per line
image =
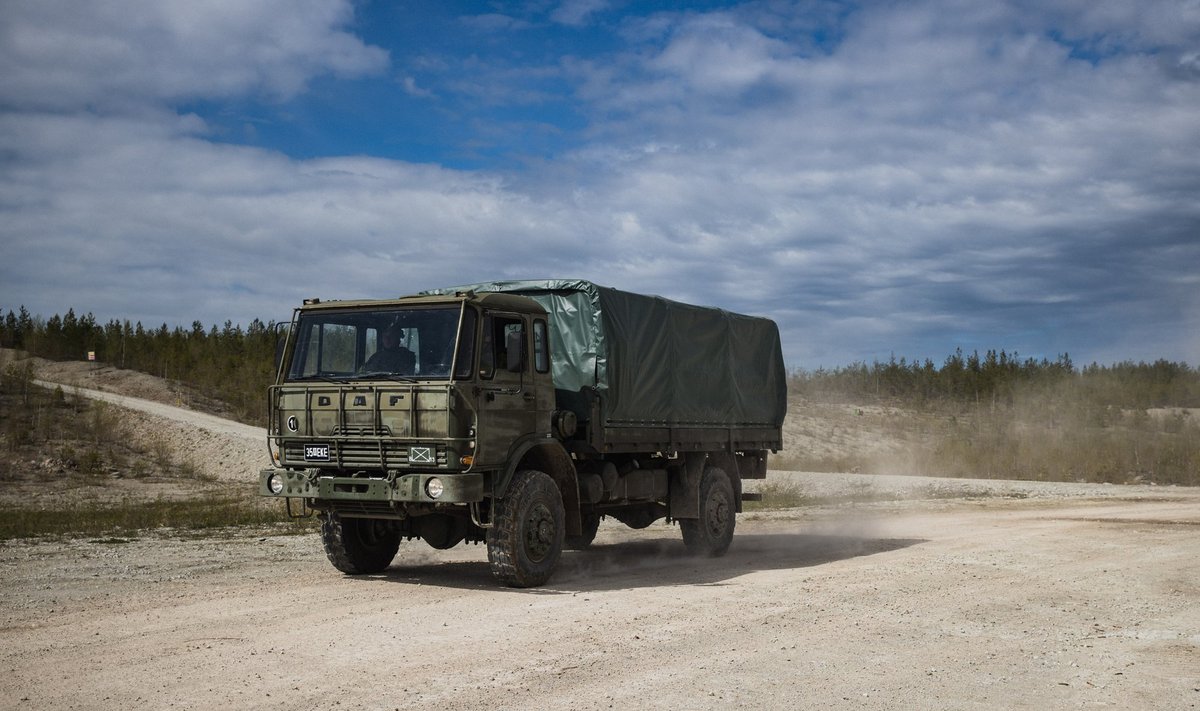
<point x="576" y="13"/>
<point x="411" y="88"/>
<point x="58" y="54"/>
<point x="716" y="54"/>
<point x="116" y="208"/>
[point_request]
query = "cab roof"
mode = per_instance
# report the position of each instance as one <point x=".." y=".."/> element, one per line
<point x="490" y="300"/>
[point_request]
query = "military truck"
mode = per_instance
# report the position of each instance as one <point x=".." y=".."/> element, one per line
<point x="518" y="414"/>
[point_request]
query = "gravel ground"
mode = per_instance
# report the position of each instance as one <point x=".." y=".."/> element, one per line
<point x="886" y="593"/>
<point x="1063" y="602"/>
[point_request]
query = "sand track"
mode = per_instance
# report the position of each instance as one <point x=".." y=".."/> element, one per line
<point x="995" y="603"/>
<point x="936" y="594"/>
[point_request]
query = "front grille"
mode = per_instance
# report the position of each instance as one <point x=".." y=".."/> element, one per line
<point x="367" y="455"/>
<point x="364" y="431"/>
<point x="362" y="509"/>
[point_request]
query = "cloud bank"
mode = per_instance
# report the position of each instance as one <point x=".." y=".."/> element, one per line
<point x="880" y="178"/>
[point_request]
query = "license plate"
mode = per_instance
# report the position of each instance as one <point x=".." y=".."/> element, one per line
<point x="316" y="453"/>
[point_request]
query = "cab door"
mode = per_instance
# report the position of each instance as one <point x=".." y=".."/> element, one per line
<point x="509" y="396"/>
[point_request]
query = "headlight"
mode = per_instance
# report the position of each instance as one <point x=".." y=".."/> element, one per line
<point x="275" y="484"/>
<point x="434" y="487"/>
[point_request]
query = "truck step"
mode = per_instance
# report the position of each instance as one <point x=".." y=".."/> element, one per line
<point x="751" y="496"/>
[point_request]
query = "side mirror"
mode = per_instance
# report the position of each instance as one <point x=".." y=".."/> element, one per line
<point x="514" y="344"/>
<point x="281" y="330"/>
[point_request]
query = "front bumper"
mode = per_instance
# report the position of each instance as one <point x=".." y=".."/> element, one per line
<point x="462" y="488"/>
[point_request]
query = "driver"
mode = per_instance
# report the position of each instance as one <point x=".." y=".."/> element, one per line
<point x="391" y="357"/>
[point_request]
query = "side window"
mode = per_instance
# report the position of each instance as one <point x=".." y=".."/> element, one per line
<point x="487" y="350"/>
<point x="496" y="333"/>
<point x="541" y="347"/>
<point x="513" y="331"/>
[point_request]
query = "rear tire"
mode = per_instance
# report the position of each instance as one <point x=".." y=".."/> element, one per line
<point x="526" y="539"/>
<point x="359" y="546"/>
<point x="712" y="533"/>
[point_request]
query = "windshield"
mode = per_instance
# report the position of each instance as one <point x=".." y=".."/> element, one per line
<point x="403" y="343"/>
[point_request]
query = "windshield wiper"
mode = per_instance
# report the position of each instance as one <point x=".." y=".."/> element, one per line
<point x="386" y="376"/>
<point x="324" y="378"/>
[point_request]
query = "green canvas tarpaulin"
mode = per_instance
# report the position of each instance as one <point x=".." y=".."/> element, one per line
<point x="656" y="362"/>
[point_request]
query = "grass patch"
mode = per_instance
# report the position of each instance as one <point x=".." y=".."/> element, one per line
<point x="197" y="514"/>
<point x="1038" y="436"/>
<point x="808" y="462"/>
<point x="92" y="480"/>
<point x="1129" y="449"/>
<point x="778" y="495"/>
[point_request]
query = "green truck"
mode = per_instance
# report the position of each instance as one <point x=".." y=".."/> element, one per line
<point x="518" y="414"/>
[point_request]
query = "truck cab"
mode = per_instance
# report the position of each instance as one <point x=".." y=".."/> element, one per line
<point x="398" y="419"/>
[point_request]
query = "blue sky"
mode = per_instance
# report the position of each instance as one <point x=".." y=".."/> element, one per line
<point x="878" y="177"/>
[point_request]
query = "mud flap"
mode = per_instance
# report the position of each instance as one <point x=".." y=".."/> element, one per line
<point x="685" y="485"/>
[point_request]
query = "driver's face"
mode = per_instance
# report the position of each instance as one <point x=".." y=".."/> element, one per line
<point x="390" y="339"/>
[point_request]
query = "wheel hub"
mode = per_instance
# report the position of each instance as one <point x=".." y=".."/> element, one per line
<point x="539" y="532"/>
<point x="718" y="514"/>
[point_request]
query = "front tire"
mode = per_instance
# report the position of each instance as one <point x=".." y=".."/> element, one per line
<point x="359" y="546"/>
<point x="526" y="540"/>
<point x="712" y="533"/>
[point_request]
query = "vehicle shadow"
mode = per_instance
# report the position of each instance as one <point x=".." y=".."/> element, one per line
<point x="654" y="562"/>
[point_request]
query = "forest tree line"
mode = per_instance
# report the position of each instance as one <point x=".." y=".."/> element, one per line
<point x="998" y="378"/>
<point x="230" y="363"/>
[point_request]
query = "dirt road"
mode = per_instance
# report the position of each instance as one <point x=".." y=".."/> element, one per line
<point x="199" y="420"/>
<point x="1053" y="602"/>
<point x="909" y="593"/>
